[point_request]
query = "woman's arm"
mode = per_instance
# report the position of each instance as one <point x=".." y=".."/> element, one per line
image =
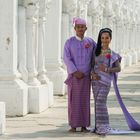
<point x="117" y="68"/>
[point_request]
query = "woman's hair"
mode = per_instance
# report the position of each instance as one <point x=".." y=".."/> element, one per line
<point x="98" y="48"/>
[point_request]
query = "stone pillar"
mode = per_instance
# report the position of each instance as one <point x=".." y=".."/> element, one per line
<point x="40" y="96"/>
<point x="41" y="43"/>
<point x="65" y="31"/>
<point x="90" y="27"/>
<point x="120" y="40"/>
<point x="13" y="91"/>
<point x="55" y="72"/>
<point x="2" y="118"/>
<point x="70" y="7"/>
<point x="42" y="75"/>
<point x="31" y="21"/>
<point x="95" y="10"/>
<point x="138" y="39"/>
<point x="107" y="14"/>
<point x="108" y="19"/>
<point x="133" y="38"/>
<point x="83" y="8"/>
<point x="134" y="55"/>
<point x="22" y="43"/>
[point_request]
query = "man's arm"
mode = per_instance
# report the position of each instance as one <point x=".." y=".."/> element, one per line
<point x="68" y="58"/>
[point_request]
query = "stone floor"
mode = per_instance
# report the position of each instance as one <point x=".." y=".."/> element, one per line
<point x="52" y="124"/>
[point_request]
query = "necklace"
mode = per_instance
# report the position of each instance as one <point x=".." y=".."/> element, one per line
<point x="105" y="51"/>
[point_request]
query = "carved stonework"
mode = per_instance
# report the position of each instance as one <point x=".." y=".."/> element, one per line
<point x="95" y="9"/>
<point x="108" y="11"/>
<point x="32" y="7"/>
<point x="41" y="42"/>
<point x="83" y="8"/>
<point x="69" y="6"/>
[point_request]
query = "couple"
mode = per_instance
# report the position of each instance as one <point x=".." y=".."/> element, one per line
<point x="89" y="64"/>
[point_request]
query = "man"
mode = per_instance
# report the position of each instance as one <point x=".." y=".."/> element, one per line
<point x="78" y="52"/>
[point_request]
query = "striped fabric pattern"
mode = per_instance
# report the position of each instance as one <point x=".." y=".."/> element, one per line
<point x="79" y="102"/>
<point x="100" y="92"/>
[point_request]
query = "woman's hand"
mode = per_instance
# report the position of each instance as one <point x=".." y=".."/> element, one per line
<point x="103" y="68"/>
<point x="94" y="76"/>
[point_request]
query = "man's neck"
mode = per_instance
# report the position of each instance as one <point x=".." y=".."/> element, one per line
<point x="79" y="38"/>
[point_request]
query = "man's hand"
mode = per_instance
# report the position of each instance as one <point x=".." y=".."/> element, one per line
<point x="78" y="74"/>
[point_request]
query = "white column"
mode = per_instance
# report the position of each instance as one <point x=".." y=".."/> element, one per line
<point x="65" y="31"/>
<point x="138" y="39"/>
<point x="107" y="14"/>
<point x="13" y="91"/>
<point x="53" y="50"/>
<point x="22" y="43"/>
<point x="129" y="56"/>
<point x="2" y="118"/>
<point x="44" y="6"/>
<point x="135" y="56"/>
<point x="83" y="8"/>
<point x="41" y="41"/>
<point x="95" y="10"/>
<point x="40" y="96"/>
<point x="31" y="21"/>
<point x="70" y="7"/>
<point x="90" y="27"/>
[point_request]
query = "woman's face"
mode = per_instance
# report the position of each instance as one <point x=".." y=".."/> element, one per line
<point x="105" y="39"/>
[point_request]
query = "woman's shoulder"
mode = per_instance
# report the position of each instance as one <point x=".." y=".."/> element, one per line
<point x="115" y="55"/>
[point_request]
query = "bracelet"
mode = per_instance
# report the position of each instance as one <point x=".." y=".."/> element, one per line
<point x="92" y="72"/>
<point x="109" y="70"/>
<point x="106" y="69"/>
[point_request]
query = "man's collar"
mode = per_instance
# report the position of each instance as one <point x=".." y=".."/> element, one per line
<point x="78" y="38"/>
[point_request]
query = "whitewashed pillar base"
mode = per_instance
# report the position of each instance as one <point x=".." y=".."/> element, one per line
<point x="15" y="95"/>
<point x="2" y="118"/>
<point x="138" y="55"/>
<point x="57" y="76"/>
<point x="40" y="97"/>
<point x="123" y="62"/>
<point x="134" y="58"/>
<point x="128" y="59"/>
<point x="50" y="94"/>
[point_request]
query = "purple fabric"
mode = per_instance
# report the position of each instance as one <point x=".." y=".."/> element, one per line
<point x="105" y="78"/>
<point x="132" y="123"/>
<point x="77" y="57"/>
<point x="79" y="20"/>
<point x="78" y="54"/>
<point x="100" y="92"/>
<point x="78" y="101"/>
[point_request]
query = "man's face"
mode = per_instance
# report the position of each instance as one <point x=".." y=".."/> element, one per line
<point x="80" y="29"/>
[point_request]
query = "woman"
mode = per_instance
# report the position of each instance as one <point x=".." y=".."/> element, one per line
<point x="106" y="63"/>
